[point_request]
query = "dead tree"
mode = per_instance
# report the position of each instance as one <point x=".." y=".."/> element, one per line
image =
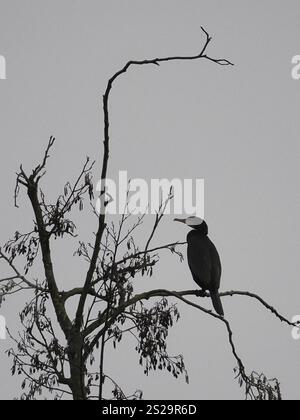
<point x="57" y="350"/>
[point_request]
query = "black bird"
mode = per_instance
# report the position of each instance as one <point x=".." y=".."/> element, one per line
<point x="204" y="260"/>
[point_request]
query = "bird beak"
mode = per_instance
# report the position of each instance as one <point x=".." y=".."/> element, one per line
<point x="180" y="220"/>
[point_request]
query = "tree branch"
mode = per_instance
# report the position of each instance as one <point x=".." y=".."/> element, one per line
<point x="167" y="293"/>
<point x="101" y="223"/>
<point x="31" y="182"/>
<point x="18" y="274"/>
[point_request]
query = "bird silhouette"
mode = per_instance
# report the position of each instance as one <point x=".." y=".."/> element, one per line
<point x="204" y="260"/>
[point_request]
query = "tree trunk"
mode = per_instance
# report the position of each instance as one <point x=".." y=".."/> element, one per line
<point x="77" y="368"/>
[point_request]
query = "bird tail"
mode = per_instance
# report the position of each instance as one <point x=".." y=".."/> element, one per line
<point x="216" y="301"/>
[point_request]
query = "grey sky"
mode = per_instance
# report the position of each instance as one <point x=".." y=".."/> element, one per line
<point x="236" y="127"/>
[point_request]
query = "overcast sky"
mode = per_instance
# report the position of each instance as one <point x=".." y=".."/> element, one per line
<point x="236" y="127"/>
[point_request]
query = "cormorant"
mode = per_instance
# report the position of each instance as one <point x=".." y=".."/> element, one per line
<point x="204" y="260"/>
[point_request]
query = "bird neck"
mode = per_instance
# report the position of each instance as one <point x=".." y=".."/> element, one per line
<point x="202" y="229"/>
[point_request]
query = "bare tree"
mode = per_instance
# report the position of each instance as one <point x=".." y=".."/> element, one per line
<point x="57" y="351"/>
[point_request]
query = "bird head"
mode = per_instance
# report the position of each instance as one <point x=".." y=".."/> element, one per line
<point x="194" y="222"/>
<point x="191" y="221"/>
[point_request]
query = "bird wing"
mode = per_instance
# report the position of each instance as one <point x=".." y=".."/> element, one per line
<point x="199" y="260"/>
<point x="216" y="267"/>
<point x="204" y="262"/>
